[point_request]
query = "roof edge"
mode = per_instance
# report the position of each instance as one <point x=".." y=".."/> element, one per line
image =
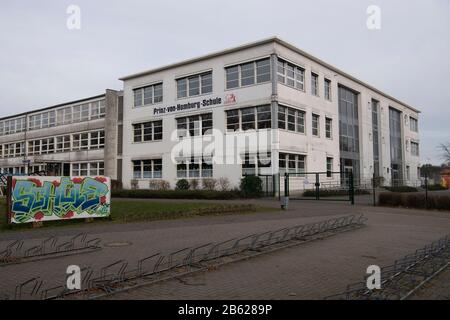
<point x="279" y="41"/>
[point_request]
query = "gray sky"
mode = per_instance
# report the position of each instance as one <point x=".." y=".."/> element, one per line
<point x="43" y="63"/>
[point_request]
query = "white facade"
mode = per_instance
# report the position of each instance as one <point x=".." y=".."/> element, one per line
<point x="157" y="154"/>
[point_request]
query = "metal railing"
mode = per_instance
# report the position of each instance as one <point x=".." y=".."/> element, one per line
<point x="405" y="276"/>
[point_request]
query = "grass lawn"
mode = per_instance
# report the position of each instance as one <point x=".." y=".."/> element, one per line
<point x="130" y="211"/>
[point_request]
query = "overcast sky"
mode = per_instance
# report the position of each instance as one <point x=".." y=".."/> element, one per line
<point x="43" y="63"/>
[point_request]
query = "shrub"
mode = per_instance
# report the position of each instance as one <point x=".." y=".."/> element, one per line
<point x="209" y="184"/>
<point x="251" y="186"/>
<point x="159" y="185"/>
<point x="436" y="187"/>
<point x="194" y="184"/>
<point x="134" y="184"/>
<point x="224" y="184"/>
<point x="414" y="200"/>
<point x="182" y="184"/>
<point x="402" y="189"/>
<point x="177" y="194"/>
<point x="116" y="185"/>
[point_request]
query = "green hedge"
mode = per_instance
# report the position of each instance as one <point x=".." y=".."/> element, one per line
<point x="416" y="200"/>
<point x="177" y="194"/>
<point x="333" y="193"/>
<point x="436" y="187"/>
<point x="401" y="189"/>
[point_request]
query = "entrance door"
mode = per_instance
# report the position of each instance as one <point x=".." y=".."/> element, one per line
<point x="395" y="175"/>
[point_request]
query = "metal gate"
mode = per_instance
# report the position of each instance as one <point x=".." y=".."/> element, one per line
<point x="331" y="186"/>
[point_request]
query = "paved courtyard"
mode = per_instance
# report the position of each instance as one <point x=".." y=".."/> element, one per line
<point x="310" y="271"/>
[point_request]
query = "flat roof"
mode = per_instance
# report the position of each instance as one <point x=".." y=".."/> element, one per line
<point x="52" y="107"/>
<point x="259" y="43"/>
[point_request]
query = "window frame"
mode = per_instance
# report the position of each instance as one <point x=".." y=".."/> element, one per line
<point x="140" y="91"/>
<point x="255" y="74"/>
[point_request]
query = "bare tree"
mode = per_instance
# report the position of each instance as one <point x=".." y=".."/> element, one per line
<point x="445" y="149"/>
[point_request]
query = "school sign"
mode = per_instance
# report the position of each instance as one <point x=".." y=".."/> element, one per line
<point x="34" y="199"/>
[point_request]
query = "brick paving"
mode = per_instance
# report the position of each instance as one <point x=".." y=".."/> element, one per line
<point x="309" y="271"/>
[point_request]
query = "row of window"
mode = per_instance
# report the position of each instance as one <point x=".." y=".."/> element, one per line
<point x="12" y="126"/>
<point x="73" y="142"/>
<point x="252" y="118"/>
<point x="236" y="76"/>
<point x="73" y="114"/>
<point x="81" y="169"/>
<point x="84" y="169"/>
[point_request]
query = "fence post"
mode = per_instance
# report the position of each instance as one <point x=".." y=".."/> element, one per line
<point x="374" y="188"/>
<point x="352" y="189"/>
<point x="426" y="190"/>
<point x="317" y="187"/>
<point x="286" y="184"/>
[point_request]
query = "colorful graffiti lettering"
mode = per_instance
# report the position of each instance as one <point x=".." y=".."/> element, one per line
<point x="45" y="198"/>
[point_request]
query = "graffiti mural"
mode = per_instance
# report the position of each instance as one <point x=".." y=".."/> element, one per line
<point x="56" y="198"/>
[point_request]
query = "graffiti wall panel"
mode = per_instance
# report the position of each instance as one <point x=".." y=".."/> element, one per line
<point x="36" y="199"/>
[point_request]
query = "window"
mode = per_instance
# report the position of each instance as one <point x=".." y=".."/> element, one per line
<point x="328" y="127"/>
<point x="98" y="110"/>
<point x="327" y="89"/>
<point x="315" y="125"/>
<point x="414" y="148"/>
<point x="413" y="124"/>
<point x="233" y="120"/>
<point x="291" y="75"/>
<point x="147" y="169"/>
<point x="76" y="142"/>
<point x="194" y="125"/>
<point x="88" y="169"/>
<point x="253" y="164"/>
<point x="247" y="74"/>
<point x="97" y="140"/>
<point x="281" y="117"/>
<point x="264" y="119"/>
<point x="195" y="167"/>
<point x="47" y="146"/>
<point x="96" y="169"/>
<point x="194" y="85"/>
<point x="148" y="95"/>
<point x="408" y="173"/>
<point x="67" y="115"/>
<point x="63" y="144"/>
<point x="232" y="75"/>
<point x="329" y="167"/>
<point x="314" y="84"/>
<point x="85" y="112"/>
<point x="148" y="131"/>
<point x="295" y="119"/>
<point x="249" y="118"/>
<point x="292" y="163"/>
